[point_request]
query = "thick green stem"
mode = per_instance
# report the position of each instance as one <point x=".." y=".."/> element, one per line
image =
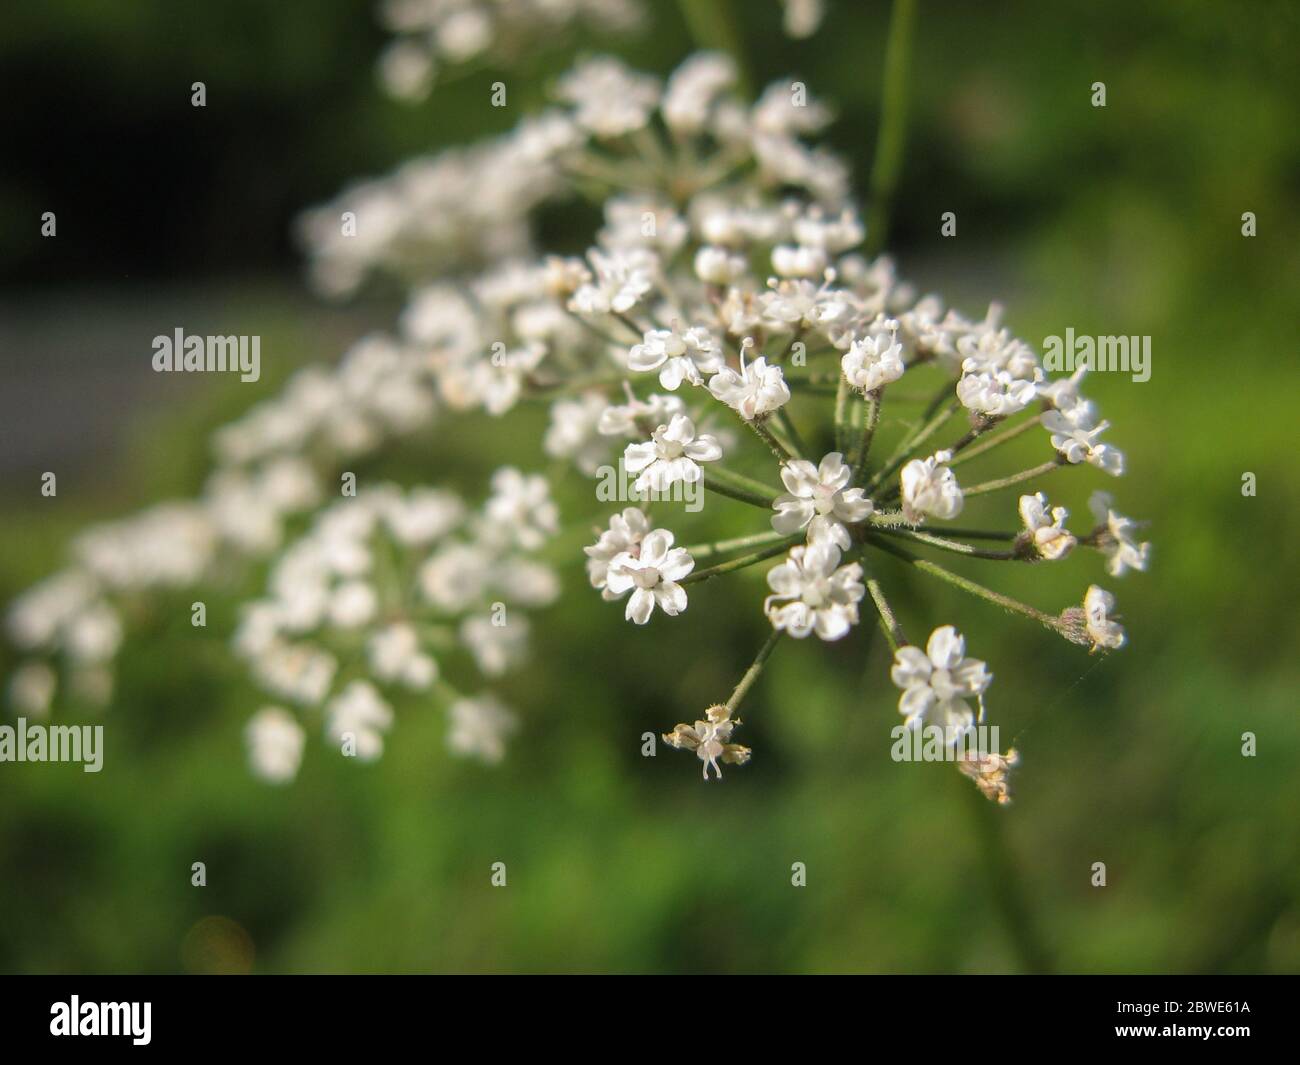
<point x="738" y="494"/>
<point x="738" y="486"/>
<point x="892" y="134"/>
<point x="1004" y="884"/>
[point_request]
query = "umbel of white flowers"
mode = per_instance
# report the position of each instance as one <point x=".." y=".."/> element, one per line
<point x="724" y="328"/>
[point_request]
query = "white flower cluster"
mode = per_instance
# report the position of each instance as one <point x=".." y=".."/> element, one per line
<point x="437" y="34"/>
<point x="382" y="586"/>
<point x="273" y="464"/>
<point x="728" y="273"/>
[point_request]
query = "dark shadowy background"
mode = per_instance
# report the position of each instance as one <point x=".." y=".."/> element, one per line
<point x="1123" y="220"/>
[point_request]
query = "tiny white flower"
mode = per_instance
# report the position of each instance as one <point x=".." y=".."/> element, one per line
<point x="495" y="647"/>
<point x="421" y="516"/>
<point x="479" y="727"/>
<point x="1046" y="526"/>
<point x="456" y="576"/>
<point x="608" y="98"/>
<point x="799" y="302"/>
<point x="1076" y="439"/>
<point x="709" y="739"/>
<point x="521" y="506"/>
<point x="31" y="689"/>
<point x="832" y="233"/>
<point x="874" y="361"/>
<point x="812" y="592"/>
<point x="526" y="582"/>
<point x="798" y="260"/>
<point x="937" y="682"/>
<point x="275" y="742"/>
<point x="778" y="113"/>
<point x="36" y="617"/>
<point x="692" y="89"/>
<point x="620" y="280"/>
<point x="651" y="575"/>
<point x="94" y="635"/>
<point x="358" y="714"/>
<point x="296" y="671"/>
<point x="562" y="277"/>
<point x="718" y="266"/>
<point x="802" y="17"/>
<point x="1102" y="630"/>
<point x="678" y="356"/>
<point x="635" y="416"/>
<point x="990" y="351"/>
<point x="352" y="604"/>
<point x="626" y="218"/>
<point x="497" y="380"/>
<point x="406" y="70"/>
<point x="672" y="454"/>
<point x="1063" y="392"/>
<point x="625" y="533"/>
<point x="995" y="392"/>
<point x="930" y="487"/>
<point x="396" y="658"/>
<point x="574" y="432"/>
<point x="1117" y="540"/>
<point x="753" y="390"/>
<point x="819" y="499"/>
<point x="723" y="222"/>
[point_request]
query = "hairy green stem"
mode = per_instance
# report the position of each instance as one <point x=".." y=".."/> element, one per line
<point x="722" y="547"/>
<point x="909" y="445"/>
<point x="842" y="393"/>
<point x="719" y="477"/>
<point x="954" y="546"/>
<point x="759" y="426"/>
<point x="741" y="495"/>
<point x="995" y="440"/>
<point x="751" y="674"/>
<point x="794" y="441"/>
<point x="888" y="620"/>
<point x="730" y="566"/>
<point x="969" y="586"/>
<point x="1014" y="479"/>
<point x="872" y="420"/>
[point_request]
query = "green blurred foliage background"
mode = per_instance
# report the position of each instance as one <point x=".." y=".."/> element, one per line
<point x="1122" y="220"/>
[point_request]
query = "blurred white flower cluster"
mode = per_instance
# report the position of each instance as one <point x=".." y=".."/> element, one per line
<point x="723" y="329"/>
<point x="376" y="592"/>
<point x="437" y="34"/>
